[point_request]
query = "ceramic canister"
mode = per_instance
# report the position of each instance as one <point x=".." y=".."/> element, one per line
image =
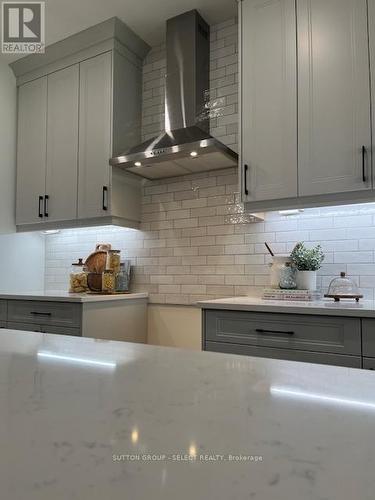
<point x="278" y="262"/>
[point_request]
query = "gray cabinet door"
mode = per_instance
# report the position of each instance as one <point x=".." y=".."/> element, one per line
<point x="31" y="151"/>
<point x="369" y="363"/>
<point x="290" y="355"/>
<point x="371" y="19"/>
<point x="327" y="334"/>
<point x="333" y="97"/>
<point x="3" y="310"/>
<point x="95" y="136"/>
<point x="268" y="99"/>
<point x="368" y="337"/>
<point x="62" y="144"/>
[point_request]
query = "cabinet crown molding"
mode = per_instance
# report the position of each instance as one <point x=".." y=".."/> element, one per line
<point x="113" y="30"/>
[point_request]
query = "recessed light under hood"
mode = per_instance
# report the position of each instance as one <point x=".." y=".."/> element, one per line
<point x="186" y="145"/>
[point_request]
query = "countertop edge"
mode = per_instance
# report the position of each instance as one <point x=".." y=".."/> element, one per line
<point x="291" y="308"/>
<point x="86" y="299"/>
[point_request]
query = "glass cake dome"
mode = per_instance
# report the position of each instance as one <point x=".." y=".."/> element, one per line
<point x="343" y="288"/>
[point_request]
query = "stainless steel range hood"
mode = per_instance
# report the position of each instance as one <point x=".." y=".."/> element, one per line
<point x="186" y="145"/>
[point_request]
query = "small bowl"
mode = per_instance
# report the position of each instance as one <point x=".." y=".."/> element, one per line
<point x="94" y="282"/>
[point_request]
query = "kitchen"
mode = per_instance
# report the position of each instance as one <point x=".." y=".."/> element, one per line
<point x="194" y="230"/>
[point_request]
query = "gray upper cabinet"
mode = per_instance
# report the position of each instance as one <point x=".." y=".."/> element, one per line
<point x="306" y="102"/>
<point x="95" y="136"/>
<point x="268" y="99"/>
<point x="79" y="104"/>
<point x="62" y="144"/>
<point x="334" y="131"/>
<point x="31" y="151"/>
<point x="371" y="18"/>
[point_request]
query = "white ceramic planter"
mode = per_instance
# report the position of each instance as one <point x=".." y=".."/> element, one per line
<point x="306" y="280"/>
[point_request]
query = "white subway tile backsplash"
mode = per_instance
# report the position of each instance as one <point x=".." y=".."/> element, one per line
<point x="366" y="244"/>
<point x="353" y="257"/>
<point x="220" y="260"/>
<point x="353" y="221"/>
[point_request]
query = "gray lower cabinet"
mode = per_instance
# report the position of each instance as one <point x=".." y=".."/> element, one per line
<point x="62" y="318"/>
<point x="62" y="314"/>
<point x="110" y="320"/>
<point x="287" y="354"/>
<point x="3" y="310"/>
<point x="316" y="339"/>
<point x="368" y="337"/>
<point x="29" y="327"/>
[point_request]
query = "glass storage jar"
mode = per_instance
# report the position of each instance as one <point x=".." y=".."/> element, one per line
<point x="113" y="260"/>
<point x="123" y="277"/>
<point x="108" y="284"/>
<point x="288" y="277"/>
<point x="78" y="278"/>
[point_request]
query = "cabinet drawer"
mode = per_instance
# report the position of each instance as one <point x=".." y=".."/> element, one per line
<point x="61" y="330"/>
<point x="3" y="324"/>
<point x="368" y="337"/>
<point x="44" y="313"/>
<point x="289" y="355"/>
<point x="369" y="363"/>
<point x="287" y="331"/>
<point x="3" y="310"/>
<point x="26" y="327"/>
<point x="30" y="327"/>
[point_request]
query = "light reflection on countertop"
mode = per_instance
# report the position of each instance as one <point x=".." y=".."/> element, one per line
<point x="92" y="419"/>
<point x="326" y="307"/>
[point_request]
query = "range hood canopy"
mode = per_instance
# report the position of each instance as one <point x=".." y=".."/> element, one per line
<point x="185" y="146"/>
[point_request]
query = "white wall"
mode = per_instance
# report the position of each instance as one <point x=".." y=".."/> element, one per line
<point x="8" y="113"/>
<point x="22" y="259"/>
<point x="21" y="255"/>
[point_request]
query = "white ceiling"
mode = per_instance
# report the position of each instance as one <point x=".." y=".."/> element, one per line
<point x="146" y="17"/>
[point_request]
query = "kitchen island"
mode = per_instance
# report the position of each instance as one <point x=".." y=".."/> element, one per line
<point x="113" y="317"/>
<point x="93" y="420"/>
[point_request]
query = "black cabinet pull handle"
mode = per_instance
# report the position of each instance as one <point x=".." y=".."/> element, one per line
<point x="40" y="214"/>
<point x="364" y="163"/>
<point x="105" y="198"/>
<point x="260" y="330"/>
<point x="246" y="168"/>
<point x="46" y="199"/>
<point x="36" y="313"/>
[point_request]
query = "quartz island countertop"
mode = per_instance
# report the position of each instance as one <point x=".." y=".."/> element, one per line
<point x="60" y="296"/>
<point x="92" y="420"/>
<point x="326" y="307"/>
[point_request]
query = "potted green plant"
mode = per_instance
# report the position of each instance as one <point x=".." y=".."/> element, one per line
<point x="307" y="261"/>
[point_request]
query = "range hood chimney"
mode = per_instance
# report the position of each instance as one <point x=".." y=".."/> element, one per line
<point x="186" y="145"/>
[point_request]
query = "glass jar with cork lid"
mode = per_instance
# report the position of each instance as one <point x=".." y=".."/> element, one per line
<point x="113" y="260"/>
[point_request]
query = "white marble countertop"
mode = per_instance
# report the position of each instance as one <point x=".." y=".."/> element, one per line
<point x="91" y="420"/>
<point x="362" y="309"/>
<point x="59" y="296"/>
